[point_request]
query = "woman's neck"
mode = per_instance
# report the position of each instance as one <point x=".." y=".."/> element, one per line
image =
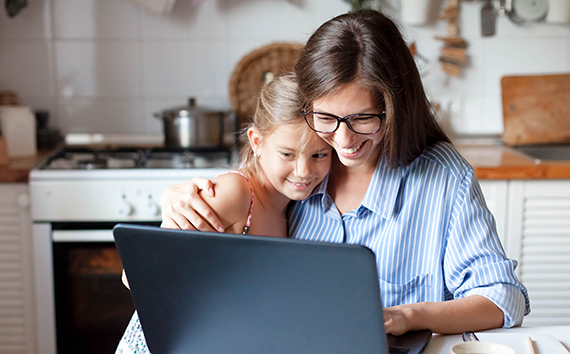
<point x="366" y="169"/>
<point x="348" y="184"/>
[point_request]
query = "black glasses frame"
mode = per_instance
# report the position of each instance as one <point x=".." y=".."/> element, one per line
<point x="339" y="120"/>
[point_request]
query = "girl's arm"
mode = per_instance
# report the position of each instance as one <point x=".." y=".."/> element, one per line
<point x="471" y="313"/>
<point x="183" y="207"/>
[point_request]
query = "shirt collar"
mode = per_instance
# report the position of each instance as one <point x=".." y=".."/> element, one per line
<point x="381" y="195"/>
<point x="322" y="187"/>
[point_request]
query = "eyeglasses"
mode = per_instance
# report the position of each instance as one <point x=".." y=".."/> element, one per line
<point x="326" y="123"/>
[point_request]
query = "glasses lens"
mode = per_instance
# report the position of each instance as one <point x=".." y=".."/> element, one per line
<point x="321" y="122"/>
<point x="365" y="124"/>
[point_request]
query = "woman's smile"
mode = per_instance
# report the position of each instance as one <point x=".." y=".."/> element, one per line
<point x="349" y="152"/>
<point x="353" y="149"/>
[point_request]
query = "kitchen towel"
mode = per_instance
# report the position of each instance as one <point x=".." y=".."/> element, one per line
<point x="18" y="126"/>
<point x="558" y="12"/>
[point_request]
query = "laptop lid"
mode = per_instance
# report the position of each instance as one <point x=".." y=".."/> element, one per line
<point x="199" y="292"/>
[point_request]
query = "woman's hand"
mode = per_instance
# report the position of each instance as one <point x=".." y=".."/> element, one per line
<point x="471" y="313"/>
<point x="396" y="320"/>
<point x="183" y="208"/>
<point x="125" y="280"/>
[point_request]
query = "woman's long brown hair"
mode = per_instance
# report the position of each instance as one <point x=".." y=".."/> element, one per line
<point x="365" y="47"/>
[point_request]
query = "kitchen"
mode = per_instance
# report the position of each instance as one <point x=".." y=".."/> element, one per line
<point x="107" y="66"/>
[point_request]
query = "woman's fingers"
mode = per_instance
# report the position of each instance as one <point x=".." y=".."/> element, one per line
<point x="184" y="215"/>
<point x="169" y="223"/>
<point x="186" y="218"/>
<point x="204" y="184"/>
<point x="183" y="207"/>
<point x="125" y="280"/>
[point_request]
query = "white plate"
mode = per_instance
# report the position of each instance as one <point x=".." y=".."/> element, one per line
<point x="481" y="348"/>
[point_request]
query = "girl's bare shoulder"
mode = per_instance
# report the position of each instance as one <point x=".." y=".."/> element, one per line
<point x="231" y="201"/>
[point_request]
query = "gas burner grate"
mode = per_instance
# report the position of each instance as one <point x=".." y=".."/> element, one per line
<point x="136" y="158"/>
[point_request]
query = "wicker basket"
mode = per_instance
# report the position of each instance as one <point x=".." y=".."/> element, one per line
<point x="254" y="70"/>
<point x="8" y="98"/>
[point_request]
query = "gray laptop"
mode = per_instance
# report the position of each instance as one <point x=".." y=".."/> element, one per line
<point x="199" y="292"/>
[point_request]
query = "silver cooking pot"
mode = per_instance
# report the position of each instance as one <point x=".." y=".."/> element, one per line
<point x="192" y="126"/>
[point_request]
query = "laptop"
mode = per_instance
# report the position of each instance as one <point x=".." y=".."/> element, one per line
<point x="201" y="292"/>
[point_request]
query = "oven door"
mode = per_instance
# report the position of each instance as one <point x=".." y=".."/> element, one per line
<point x="91" y="305"/>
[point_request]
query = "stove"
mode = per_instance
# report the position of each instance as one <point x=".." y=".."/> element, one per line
<point x="77" y="195"/>
<point x="121" y="184"/>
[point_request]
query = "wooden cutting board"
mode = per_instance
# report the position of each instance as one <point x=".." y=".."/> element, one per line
<point x="536" y="109"/>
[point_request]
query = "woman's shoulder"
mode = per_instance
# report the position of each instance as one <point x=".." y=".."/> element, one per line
<point x="232" y="198"/>
<point x="445" y="156"/>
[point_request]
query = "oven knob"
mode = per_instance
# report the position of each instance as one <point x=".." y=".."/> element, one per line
<point x="125" y="209"/>
<point x="152" y="208"/>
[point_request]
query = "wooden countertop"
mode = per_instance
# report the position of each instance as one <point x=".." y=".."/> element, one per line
<point x="501" y="162"/>
<point x="490" y="161"/>
<point x="18" y="168"/>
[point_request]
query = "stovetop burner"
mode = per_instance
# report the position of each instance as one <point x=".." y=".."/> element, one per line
<point x="135" y="158"/>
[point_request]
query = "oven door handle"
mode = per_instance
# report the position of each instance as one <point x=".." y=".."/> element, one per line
<point x="82" y="236"/>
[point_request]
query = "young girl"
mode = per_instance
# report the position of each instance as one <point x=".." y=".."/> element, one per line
<point x="397" y="185"/>
<point x="282" y="160"/>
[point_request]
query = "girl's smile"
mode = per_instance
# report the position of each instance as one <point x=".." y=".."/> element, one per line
<point x="292" y="171"/>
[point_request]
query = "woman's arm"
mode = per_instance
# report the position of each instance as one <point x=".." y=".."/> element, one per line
<point x="471" y="313"/>
<point x="183" y="207"/>
<point x="486" y="291"/>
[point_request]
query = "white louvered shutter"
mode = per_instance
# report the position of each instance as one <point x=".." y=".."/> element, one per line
<point x="17" y="330"/>
<point x="545" y="251"/>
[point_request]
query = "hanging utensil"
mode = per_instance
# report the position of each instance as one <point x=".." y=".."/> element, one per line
<point x="488" y="19"/>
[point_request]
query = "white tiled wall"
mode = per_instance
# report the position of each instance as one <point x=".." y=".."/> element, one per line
<point x="107" y="65"/>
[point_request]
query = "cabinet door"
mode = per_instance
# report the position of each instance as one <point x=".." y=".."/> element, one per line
<point x="17" y="330"/>
<point x="545" y="249"/>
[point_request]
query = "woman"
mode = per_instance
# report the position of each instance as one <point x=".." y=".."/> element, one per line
<point x="397" y="185"/>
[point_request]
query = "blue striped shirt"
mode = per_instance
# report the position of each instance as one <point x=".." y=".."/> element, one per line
<point x="429" y="227"/>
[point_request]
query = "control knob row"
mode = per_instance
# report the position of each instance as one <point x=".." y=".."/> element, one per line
<point x="151" y="208"/>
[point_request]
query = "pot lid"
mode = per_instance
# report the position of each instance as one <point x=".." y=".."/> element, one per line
<point x="191" y="110"/>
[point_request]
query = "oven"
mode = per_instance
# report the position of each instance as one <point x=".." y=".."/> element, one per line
<point x="78" y="195"/>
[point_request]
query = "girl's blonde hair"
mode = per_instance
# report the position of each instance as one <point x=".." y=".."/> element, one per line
<point x="279" y="103"/>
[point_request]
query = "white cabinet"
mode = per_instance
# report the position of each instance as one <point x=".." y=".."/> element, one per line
<point x="535" y="220"/>
<point x="17" y="325"/>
